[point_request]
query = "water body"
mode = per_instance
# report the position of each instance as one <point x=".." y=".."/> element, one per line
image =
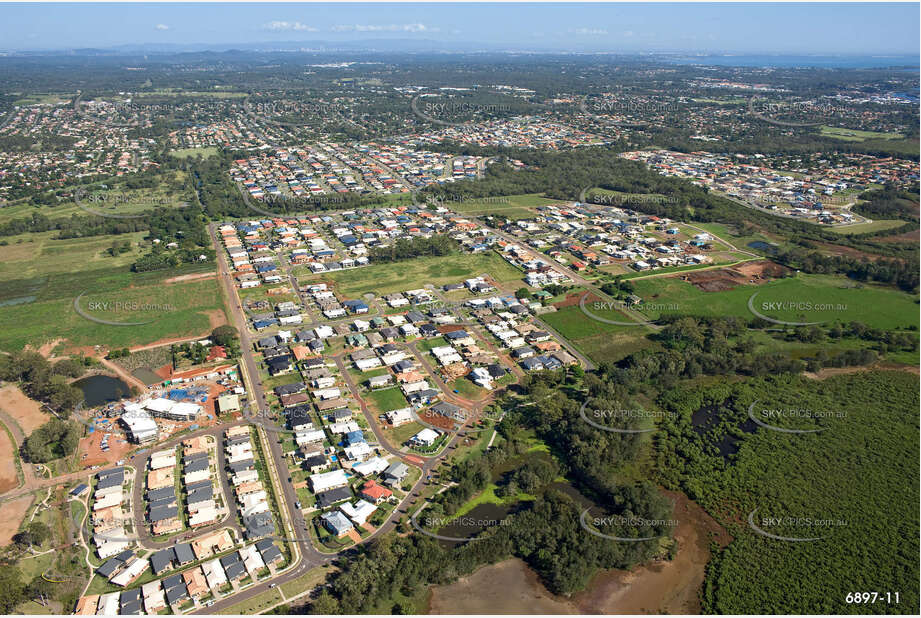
<point x="101" y="389"/>
<point x="760" y="245"/>
<point x="481" y="517"/>
<point x="146" y="375"/>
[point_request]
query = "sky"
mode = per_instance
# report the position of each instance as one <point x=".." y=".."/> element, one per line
<point x="784" y="28"/>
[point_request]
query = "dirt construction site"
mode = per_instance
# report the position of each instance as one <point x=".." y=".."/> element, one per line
<point x="722" y="279"/>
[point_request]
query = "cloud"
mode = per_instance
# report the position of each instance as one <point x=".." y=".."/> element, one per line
<point x="588" y="31"/>
<point x="385" y="28"/>
<point x="284" y="26"/>
<point x="161" y="27"/>
<point x="628" y="32"/>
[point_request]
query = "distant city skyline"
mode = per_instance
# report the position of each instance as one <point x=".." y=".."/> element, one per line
<point x="755" y="28"/>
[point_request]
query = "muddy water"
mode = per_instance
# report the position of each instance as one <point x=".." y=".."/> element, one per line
<point x="510" y="587"/>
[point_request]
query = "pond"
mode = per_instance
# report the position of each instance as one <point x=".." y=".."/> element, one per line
<point x="478" y="519"/>
<point x="101" y="389"/>
<point x="760" y="245"/>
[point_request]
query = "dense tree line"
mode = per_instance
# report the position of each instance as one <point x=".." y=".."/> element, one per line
<point x="75" y="226"/>
<point x="55" y="439"/>
<point x="44" y="381"/>
<point x="420" y="246"/>
<point x="857" y="470"/>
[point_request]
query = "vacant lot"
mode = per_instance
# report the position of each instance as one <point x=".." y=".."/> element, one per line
<point x="804" y="298"/>
<point x="170" y="191"/>
<point x="412" y="274"/>
<point x="176" y="310"/>
<point x="853" y="135"/>
<point x="8" y="477"/>
<point x="508" y="206"/>
<point x="386" y="399"/>
<point x="27" y="413"/>
<point x="11" y="514"/>
<point x="599" y="341"/>
<point x="873" y="226"/>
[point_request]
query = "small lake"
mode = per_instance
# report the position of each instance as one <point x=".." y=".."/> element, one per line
<point x="760" y="245"/>
<point x="101" y="389"/>
<point x="478" y="519"/>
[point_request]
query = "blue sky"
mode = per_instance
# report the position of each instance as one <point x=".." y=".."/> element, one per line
<point x="849" y="28"/>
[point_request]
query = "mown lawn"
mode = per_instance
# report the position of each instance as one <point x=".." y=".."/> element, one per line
<point x="387" y="399"/>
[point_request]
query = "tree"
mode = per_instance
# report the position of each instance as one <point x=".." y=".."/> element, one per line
<point x="54" y="439"/>
<point x="12" y="590"/>
<point x="523" y="293"/>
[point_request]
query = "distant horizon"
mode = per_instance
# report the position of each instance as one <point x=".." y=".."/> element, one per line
<point x="744" y="29"/>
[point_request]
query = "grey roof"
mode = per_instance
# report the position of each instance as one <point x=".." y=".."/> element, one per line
<point x="200" y="495"/>
<point x="184" y="553"/>
<point x="240" y="466"/>
<point x="198" y="485"/>
<point x="196" y="466"/>
<point x="269" y="553"/>
<point x="112" y="480"/>
<point x="127" y="596"/>
<point x="163" y="502"/>
<point x="177" y="593"/>
<point x="234" y="570"/>
<point x="230" y="559"/>
<point x="332" y="496"/>
<point x="397" y="469"/>
<point x="172" y="581"/>
<point x="130" y="608"/>
<point x="109" y="567"/>
<point x="162" y="560"/>
<point x="159" y="494"/>
<point x="163" y="512"/>
<point x="288" y="389"/>
<point x="258" y="525"/>
<point x="109" y="471"/>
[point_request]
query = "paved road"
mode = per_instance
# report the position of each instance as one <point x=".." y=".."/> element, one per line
<point x="140" y="462"/>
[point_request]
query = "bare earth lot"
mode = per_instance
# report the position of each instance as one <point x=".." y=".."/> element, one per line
<point x="27" y="413"/>
<point x="11" y="514"/>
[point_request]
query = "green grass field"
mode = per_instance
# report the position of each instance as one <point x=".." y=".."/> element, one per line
<point x="854" y="135"/>
<point x="599" y="341"/>
<point x="863" y="228"/>
<point x="47" y="312"/>
<point x="845" y="300"/>
<point x="39" y="255"/>
<point x="509" y="206"/>
<point x="186" y="153"/>
<point x="410" y="274"/>
<point x="172" y="190"/>
<point x="387" y="399"/>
